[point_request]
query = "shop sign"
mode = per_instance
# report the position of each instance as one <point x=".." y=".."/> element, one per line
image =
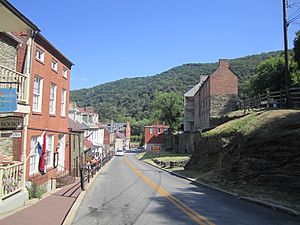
<point x="11" y="123"/>
<point x="10" y="134"/>
<point x="8" y="99"/>
<point x="155" y="148"/>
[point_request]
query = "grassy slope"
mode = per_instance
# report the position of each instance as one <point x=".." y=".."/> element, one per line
<point x="263" y="125"/>
<point x="269" y="139"/>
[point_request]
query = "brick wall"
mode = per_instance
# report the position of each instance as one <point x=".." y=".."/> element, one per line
<point x="22" y="49"/>
<point x="44" y="120"/>
<point x="223" y="81"/>
<point x="218" y="94"/>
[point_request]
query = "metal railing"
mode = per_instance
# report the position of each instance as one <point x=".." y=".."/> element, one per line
<point x="12" y="79"/>
<point x="11" y="179"/>
<point x="89" y="170"/>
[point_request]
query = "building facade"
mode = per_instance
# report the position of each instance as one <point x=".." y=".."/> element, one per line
<point x="49" y="102"/>
<point x="214" y="96"/>
<point x="155" y="136"/>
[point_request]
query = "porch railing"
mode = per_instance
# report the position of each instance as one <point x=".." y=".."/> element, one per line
<point x="11" y="78"/>
<point x="11" y="179"/>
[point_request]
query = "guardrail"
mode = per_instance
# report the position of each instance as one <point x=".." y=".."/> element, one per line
<point x="11" y="78"/>
<point x="11" y="180"/>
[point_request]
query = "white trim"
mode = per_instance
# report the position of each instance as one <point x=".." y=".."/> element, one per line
<point x="37" y="106"/>
<point x="52" y="99"/>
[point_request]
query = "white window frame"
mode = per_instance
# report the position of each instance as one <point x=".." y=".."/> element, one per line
<point x="158" y="130"/>
<point x="63" y="102"/>
<point x="37" y="94"/>
<point x="52" y="99"/>
<point x="34" y="156"/>
<point x="151" y="130"/>
<point x="50" y="150"/>
<point x="64" y="72"/>
<point x="54" y="65"/>
<point x="40" y="55"/>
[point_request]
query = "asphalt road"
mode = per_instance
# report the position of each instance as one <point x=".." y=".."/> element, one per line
<point x="133" y="192"/>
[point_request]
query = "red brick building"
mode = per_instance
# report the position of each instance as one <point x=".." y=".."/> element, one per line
<point x="155" y="136"/>
<point x="49" y="101"/>
<point x="216" y="95"/>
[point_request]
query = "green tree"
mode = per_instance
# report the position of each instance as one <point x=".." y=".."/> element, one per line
<point x="297" y="48"/>
<point x="270" y="76"/>
<point x="168" y="108"/>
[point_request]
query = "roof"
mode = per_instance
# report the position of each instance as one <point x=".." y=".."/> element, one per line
<point x="193" y="90"/>
<point x="76" y="126"/>
<point x="87" y="143"/>
<point x="8" y="11"/>
<point x="54" y="50"/>
<point x="120" y="135"/>
<point x="158" y="126"/>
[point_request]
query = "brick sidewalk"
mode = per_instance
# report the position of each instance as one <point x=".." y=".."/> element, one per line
<point x="52" y="210"/>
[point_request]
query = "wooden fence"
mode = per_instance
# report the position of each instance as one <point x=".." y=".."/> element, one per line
<point x="275" y="99"/>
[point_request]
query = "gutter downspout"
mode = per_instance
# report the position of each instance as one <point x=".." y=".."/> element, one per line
<point x="27" y="71"/>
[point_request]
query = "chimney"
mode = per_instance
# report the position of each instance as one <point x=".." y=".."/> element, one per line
<point x="223" y="63"/>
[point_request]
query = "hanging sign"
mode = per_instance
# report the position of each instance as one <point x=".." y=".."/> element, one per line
<point x="8" y="99"/>
<point x="11" y="123"/>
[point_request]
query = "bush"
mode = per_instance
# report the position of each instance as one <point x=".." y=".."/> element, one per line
<point x="35" y="191"/>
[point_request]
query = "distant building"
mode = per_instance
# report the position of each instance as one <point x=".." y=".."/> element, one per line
<point x="86" y="120"/>
<point x="119" y="128"/>
<point x="214" y="96"/>
<point x="155" y="136"/>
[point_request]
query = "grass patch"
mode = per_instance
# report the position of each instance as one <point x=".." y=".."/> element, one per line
<point x="242" y="125"/>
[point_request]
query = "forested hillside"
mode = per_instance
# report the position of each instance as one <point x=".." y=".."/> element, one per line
<point x="131" y="97"/>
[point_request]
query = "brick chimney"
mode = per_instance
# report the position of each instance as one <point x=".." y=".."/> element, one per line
<point x="223" y="63"/>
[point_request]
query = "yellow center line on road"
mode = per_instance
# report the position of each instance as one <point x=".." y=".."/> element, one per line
<point x="187" y="210"/>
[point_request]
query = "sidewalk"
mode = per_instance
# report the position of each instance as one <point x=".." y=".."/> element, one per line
<point x="52" y="210"/>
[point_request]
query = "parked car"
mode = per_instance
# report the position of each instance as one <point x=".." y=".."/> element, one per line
<point x="119" y="152"/>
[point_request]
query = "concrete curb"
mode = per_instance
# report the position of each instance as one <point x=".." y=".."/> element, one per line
<point x="273" y="206"/>
<point x="71" y="215"/>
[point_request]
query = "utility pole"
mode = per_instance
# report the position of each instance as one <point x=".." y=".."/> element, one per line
<point x="286" y="56"/>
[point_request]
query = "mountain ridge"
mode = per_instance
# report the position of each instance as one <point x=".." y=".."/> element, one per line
<point x="131" y="97"/>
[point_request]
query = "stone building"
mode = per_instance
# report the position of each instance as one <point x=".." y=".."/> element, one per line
<point x="214" y="96"/>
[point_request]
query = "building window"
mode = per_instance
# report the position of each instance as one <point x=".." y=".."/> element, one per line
<point x="50" y="149"/>
<point x="54" y="65"/>
<point x="37" y="94"/>
<point x="151" y="130"/>
<point x="63" y="102"/>
<point x="52" y="101"/>
<point x="34" y="156"/>
<point x="166" y="130"/>
<point x="64" y="72"/>
<point x="158" y="130"/>
<point x="40" y="55"/>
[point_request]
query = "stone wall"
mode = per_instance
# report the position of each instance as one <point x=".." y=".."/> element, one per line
<point x="6" y="149"/>
<point x="222" y="104"/>
<point x="185" y="142"/>
<point x="8" y="53"/>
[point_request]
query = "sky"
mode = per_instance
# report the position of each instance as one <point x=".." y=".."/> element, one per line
<point x="108" y="40"/>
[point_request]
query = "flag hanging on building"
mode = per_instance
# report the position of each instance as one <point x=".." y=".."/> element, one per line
<point x="42" y="152"/>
